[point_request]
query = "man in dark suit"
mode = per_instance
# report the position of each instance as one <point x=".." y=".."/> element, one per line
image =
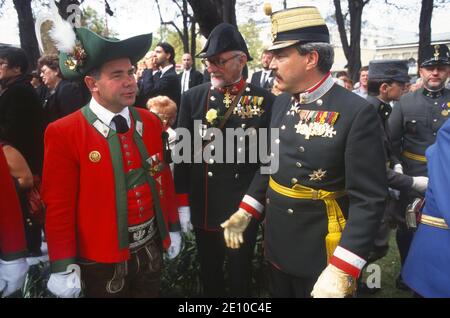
<point x="324" y="204"/>
<point x="201" y="185"/>
<point x="189" y="77"/>
<point x="165" y="82"/>
<point x="264" y="78"/>
<point x="22" y="123"/>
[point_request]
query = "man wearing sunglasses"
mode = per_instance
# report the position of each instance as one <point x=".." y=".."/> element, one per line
<point x="212" y="189"/>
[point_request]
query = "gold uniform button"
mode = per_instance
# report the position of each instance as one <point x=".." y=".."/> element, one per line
<point x="294" y="181"/>
<point x="301" y="149"/>
<point x="95" y="156"/>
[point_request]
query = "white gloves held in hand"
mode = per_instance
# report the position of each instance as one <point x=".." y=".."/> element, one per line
<point x="12" y="275"/>
<point x="175" y="245"/>
<point x="333" y="283"/>
<point x="184" y="214"/>
<point x="234" y="228"/>
<point x="420" y="184"/>
<point x="65" y="284"/>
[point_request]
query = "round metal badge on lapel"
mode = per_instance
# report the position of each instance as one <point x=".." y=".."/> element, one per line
<point x="95" y="156"/>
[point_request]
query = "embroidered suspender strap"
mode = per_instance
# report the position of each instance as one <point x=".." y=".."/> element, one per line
<point x="231" y="108"/>
<point x="336" y="220"/>
<point x="119" y="179"/>
<point x="414" y="156"/>
<point x="144" y="154"/>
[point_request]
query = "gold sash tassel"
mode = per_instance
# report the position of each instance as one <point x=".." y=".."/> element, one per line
<point x="336" y="220"/>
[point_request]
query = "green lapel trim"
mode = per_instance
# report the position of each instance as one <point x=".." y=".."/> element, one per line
<point x="144" y="154"/>
<point x="119" y="179"/>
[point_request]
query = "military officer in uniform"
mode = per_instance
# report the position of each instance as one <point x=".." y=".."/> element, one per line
<point x="414" y="124"/>
<point x="13" y="246"/>
<point x="108" y="191"/>
<point x="324" y="204"/>
<point x="211" y="190"/>
<point x="387" y="79"/>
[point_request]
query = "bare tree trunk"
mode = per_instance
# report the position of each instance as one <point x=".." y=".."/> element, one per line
<point x="193" y="40"/>
<point x="209" y="13"/>
<point x="352" y="50"/>
<point x="285" y="4"/>
<point x="28" y="40"/>
<point x="185" y="37"/>
<point x="425" y="27"/>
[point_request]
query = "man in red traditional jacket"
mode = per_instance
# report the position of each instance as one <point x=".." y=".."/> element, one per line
<point x="109" y="194"/>
<point x="13" y="265"/>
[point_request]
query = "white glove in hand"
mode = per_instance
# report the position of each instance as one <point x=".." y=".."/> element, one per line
<point x="398" y="168"/>
<point x="184" y="214"/>
<point x="234" y="228"/>
<point x="13" y="275"/>
<point x="65" y="284"/>
<point x="333" y="283"/>
<point x="420" y="184"/>
<point x="175" y="245"/>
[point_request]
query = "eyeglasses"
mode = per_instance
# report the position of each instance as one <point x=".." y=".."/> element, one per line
<point x="218" y="62"/>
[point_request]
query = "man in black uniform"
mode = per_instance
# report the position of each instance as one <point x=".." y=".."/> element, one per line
<point x="210" y="188"/>
<point x="414" y="123"/>
<point x="264" y="78"/>
<point x="332" y="173"/>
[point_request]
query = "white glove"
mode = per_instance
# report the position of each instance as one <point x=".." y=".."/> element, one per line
<point x="333" y="283"/>
<point x="2" y="285"/>
<point x="420" y="184"/>
<point x="184" y="213"/>
<point x="398" y="168"/>
<point x="175" y="245"/>
<point x="234" y="228"/>
<point x="13" y="274"/>
<point x="65" y="284"/>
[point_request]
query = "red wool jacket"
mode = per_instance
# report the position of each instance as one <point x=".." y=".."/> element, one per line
<point x="80" y="194"/>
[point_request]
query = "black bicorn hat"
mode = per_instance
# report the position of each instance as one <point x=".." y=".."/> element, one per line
<point x="436" y="54"/>
<point x="297" y="26"/>
<point x="395" y="70"/>
<point x="223" y="38"/>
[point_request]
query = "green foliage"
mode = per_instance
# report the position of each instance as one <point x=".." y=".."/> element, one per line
<point x="90" y="19"/>
<point x="255" y="46"/>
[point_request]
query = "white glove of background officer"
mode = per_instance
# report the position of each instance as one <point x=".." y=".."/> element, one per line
<point x="65" y="284"/>
<point x="184" y="213"/>
<point x="234" y="228"/>
<point x="333" y="283"/>
<point x="12" y="275"/>
<point x="398" y="168"/>
<point x="420" y="184"/>
<point x="175" y="245"/>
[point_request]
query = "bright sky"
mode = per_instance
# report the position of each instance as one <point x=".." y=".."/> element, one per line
<point x="141" y="16"/>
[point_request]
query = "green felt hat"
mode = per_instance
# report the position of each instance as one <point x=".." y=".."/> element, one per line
<point x="92" y="51"/>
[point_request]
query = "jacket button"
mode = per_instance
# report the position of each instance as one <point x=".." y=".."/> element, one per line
<point x="212" y="147"/>
<point x="211" y="161"/>
<point x="239" y="150"/>
<point x="268" y="201"/>
<point x="435" y="120"/>
<point x="125" y="146"/>
<point x="243" y="126"/>
<point x="299" y="165"/>
<point x="413" y="121"/>
<point x="434" y="134"/>
<point x="141" y="209"/>
<point x="277" y="141"/>
<point x="236" y="176"/>
<point x="290" y="211"/>
<point x="294" y="181"/>
<point x="138" y="194"/>
<point x="283" y="127"/>
<point x="210" y="174"/>
<point x="301" y="149"/>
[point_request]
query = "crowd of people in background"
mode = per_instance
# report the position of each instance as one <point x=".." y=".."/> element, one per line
<point x="411" y="110"/>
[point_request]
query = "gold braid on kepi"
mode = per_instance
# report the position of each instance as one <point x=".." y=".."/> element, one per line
<point x="297" y="25"/>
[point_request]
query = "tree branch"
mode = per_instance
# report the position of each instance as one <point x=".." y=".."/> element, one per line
<point x="341" y="26"/>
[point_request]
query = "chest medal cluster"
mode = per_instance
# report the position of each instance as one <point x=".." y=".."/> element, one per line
<point x="314" y="123"/>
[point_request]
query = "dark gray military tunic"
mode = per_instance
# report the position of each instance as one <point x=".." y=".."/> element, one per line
<point x="414" y="123"/>
<point x="396" y="180"/>
<point x="216" y="189"/>
<point x="352" y="159"/>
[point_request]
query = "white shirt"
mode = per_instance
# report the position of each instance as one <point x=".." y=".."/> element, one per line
<point x="106" y="115"/>
<point x="264" y="77"/>
<point x="185" y="80"/>
<point x="165" y="69"/>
